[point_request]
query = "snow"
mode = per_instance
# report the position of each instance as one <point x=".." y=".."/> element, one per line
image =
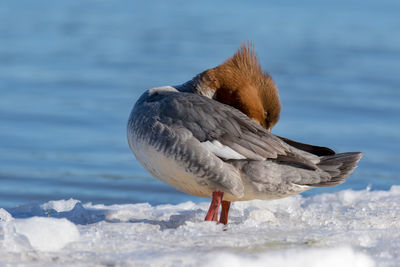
<point x="309" y="257"/>
<point x="347" y="228"/>
<point x="39" y="233"/>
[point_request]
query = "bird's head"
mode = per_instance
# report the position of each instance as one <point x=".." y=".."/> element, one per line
<point x="241" y="83"/>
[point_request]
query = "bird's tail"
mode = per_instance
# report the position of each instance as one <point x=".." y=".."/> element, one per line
<point x="339" y="166"/>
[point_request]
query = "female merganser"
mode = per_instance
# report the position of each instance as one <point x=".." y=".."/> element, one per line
<point x="210" y="137"/>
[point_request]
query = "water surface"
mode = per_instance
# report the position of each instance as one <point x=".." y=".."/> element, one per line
<point x="70" y="72"/>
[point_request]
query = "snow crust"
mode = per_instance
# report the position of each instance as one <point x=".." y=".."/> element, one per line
<point x="347" y="228"/>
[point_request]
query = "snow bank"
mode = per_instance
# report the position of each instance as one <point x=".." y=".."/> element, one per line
<point x="348" y="228"/>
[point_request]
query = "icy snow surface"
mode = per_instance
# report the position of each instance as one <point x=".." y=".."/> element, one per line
<point x="347" y="228"/>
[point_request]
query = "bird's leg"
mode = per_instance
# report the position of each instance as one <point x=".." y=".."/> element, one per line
<point x="224" y="212"/>
<point x="212" y="214"/>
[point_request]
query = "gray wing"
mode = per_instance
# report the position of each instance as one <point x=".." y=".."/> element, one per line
<point x="209" y="120"/>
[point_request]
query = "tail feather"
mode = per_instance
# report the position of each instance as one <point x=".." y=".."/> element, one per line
<point x="339" y="166"/>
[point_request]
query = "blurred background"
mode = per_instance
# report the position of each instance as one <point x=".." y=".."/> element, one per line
<point x="70" y="72"/>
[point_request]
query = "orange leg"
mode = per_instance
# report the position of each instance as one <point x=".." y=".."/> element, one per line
<point x="224" y="212"/>
<point x="212" y="214"/>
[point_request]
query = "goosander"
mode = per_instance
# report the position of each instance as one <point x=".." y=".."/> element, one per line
<point x="210" y="137"/>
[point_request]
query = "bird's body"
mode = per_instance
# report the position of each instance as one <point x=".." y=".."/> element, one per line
<point x="206" y="148"/>
<point x="199" y="146"/>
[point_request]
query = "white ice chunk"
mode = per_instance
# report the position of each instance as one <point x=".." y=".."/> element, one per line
<point x="39" y="233"/>
<point x="60" y="205"/>
<point x="5" y="216"/>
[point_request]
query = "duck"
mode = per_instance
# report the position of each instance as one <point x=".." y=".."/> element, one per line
<point x="211" y="137"/>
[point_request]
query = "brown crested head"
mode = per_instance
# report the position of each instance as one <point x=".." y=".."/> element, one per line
<point x="241" y="83"/>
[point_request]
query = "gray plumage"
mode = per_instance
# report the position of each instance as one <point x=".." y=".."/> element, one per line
<point x="176" y="125"/>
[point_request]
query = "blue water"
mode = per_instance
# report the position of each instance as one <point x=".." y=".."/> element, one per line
<point x="70" y="72"/>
